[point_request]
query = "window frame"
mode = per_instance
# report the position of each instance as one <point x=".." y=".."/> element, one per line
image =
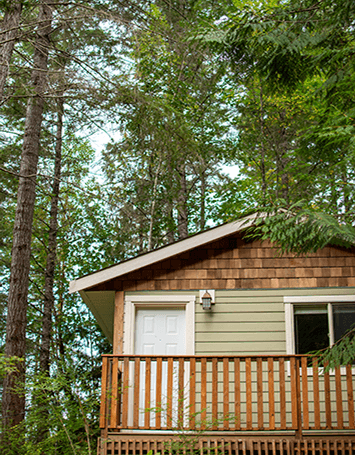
<point x="329" y="300"/>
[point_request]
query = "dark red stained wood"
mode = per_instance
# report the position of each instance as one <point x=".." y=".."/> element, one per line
<point x="181" y="398"/>
<point x="328" y="409"/>
<point x="114" y="394"/>
<point x="125" y="392"/>
<point x="192" y="406"/>
<point x="248" y="393"/>
<point x="170" y="392"/>
<point x="350" y="391"/>
<point x="298" y="397"/>
<point x="214" y="393"/>
<point x="237" y="393"/>
<point x="339" y="400"/>
<point x="225" y="394"/>
<point x="294" y="393"/>
<point x="282" y="393"/>
<point x="136" y="392"/>
<point x="316" y="394"/>
<point x="158" y="392"/>
<point x="203" y="391"/>
<point x="147" y="393"/>
<point x="259" y="384"/>
<point x="305" y="407"/>
<point x="103" y="408"/>
<point x="111" y="392"/>
<point x="271" y="395"/>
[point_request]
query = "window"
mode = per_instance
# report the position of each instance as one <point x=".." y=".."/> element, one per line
<point x="315" y="322"/>
<point x="318" y="326"/>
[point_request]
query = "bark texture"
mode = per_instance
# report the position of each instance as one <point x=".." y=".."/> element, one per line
<point x="8" y="36"/>
<point x="182" y="204"/>
<point x="13" y="402"/>
<point x="44" y="359"/>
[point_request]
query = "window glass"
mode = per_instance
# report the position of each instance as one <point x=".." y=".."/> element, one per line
<point x="311" y="328"/>
<point x="344" y="318"/>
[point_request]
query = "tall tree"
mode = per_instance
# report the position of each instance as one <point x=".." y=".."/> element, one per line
<point x="13" y="401"/>
<point x="8" y="35"/>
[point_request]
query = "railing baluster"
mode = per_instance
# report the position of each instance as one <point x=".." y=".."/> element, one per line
<point x="125" y="387"/>
<point x="259" y="383"/>
<point x="181" y="397"/>
<point x="248" y="393"/>
<point x="339" y="399"/>
<point x="169" y="411"/>
<point x="158" y="392"/>
<point x="103" y="405"/>
<point x="294" y="391"/>
<point x="118" y="403"/>
<point x="271" y="387"/>
<point x="328" y="410"/>
<point x="349" y="382"/>
<point x="137" y="368"/>
<point x="316" y="394"/>
<point x="148" y="369"/>
<point x="282" y="393"/>
<point x="203" y="391"/>
<point x="237" y="394"/>
<point x="214" y="393"/>
<point x="305" y="406"/>
<point x="114" y="394"/>
<point x="192" y="404"/>
<point x="225" y="394"/>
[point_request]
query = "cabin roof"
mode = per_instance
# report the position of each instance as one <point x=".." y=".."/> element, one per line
<point x="160" y="254"/>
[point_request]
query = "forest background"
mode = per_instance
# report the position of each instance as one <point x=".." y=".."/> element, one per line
<point x="183" y="88"/>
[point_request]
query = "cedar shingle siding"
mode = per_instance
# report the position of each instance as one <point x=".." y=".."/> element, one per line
<point x="234" y="263"/>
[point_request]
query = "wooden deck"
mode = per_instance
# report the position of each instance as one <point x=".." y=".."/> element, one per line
<point x="271" y="404"/>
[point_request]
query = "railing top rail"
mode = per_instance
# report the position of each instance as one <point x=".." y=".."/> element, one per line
<point x="207" y="356"/>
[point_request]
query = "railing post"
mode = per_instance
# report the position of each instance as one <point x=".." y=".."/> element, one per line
<point x="103" y="406"/>
<point x="298" y="398"/>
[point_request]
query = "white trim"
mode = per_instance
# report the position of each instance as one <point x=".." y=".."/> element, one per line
<point x="289" y="321"/>
<point x="289" y="301"/>
<point x="133" y="301"/>
<point x="166" y="252"/>
<point x="319" y="298"/>
<point x="330" y="324"/>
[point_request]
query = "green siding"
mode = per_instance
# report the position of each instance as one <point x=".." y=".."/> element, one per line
<point x="244" y="321"/>
<point x="248" y="321"/>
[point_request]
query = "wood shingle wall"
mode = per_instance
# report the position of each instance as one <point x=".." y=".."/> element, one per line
<point x="233" y="263"/>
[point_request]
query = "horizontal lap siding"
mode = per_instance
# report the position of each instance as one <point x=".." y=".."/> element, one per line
<point x="242" y="323"/>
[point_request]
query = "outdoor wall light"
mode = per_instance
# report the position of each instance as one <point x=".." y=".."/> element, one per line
<point x="206" y="299"/>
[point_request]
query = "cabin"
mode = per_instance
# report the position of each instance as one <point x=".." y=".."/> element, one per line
<point x="210" y="337"/>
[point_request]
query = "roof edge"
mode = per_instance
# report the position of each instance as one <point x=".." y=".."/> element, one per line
<point x="182" y="246"/>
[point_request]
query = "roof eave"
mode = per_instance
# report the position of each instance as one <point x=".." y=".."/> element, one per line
<point x="161" y="254"/>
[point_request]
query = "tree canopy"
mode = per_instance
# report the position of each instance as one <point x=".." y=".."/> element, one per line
<point x="180" y="90"/>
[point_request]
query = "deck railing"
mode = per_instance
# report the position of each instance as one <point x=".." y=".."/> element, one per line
<point x="224" y="393"/>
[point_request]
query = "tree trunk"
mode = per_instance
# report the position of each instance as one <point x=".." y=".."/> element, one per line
<point x="262" y="146"/>
<point x="13" y="402"/>
<point x="181" y="204"/>
<point x="8" y="35"/>
<point x="152" y="210"/>
<point x="203" y="202"/>
<point x="44" y="360"/>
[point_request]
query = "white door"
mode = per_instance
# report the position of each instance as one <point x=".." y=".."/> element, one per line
<point x="159" y="331"/>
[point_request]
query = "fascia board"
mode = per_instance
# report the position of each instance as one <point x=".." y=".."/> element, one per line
<point x="159" y="255"/>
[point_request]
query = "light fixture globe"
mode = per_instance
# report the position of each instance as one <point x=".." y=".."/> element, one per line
<point x="206" y="301"/>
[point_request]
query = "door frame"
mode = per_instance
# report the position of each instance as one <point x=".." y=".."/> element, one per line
<point x="165" y="301"/>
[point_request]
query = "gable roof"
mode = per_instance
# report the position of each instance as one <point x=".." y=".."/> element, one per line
<point x="165" y="252"/>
